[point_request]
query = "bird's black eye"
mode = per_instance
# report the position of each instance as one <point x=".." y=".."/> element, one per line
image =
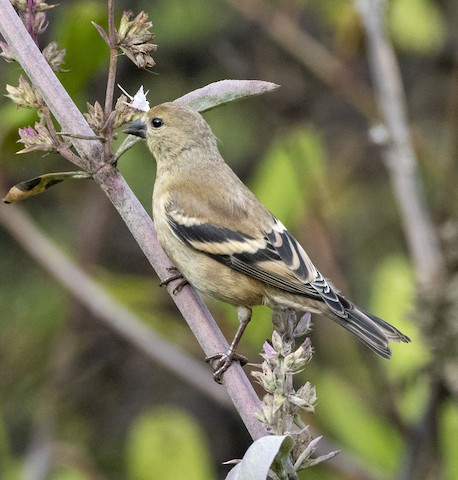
<point x="157" y="122"/>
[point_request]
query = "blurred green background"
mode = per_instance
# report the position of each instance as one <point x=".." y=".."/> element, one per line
<point x="103" y="409"/>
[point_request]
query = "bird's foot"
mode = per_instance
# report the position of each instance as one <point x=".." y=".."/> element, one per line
<point x="222" y="361"/>
<point x="176" y="276"/>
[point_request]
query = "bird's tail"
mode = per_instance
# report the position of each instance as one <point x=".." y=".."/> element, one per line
<point x="373" y="331"/>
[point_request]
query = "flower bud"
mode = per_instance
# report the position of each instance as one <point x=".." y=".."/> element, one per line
<point x="36" y="138"/>
<point x="54" y="57"/>
<point x="24" y="95"/>
<point x="134" y="39"/>
<point x="303" y="326"/>
<point x="7" y="53"/>
<point x="95" y="117"/>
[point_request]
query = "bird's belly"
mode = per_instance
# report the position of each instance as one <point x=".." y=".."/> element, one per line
<point x="212" y="277"/>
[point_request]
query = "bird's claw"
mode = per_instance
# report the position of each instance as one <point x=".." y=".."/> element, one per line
<point x="223" y="361"/>
<point x="176" y="276"/>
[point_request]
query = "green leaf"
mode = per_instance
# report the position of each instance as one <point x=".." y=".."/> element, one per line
<point x="86" y="52"/>
<point x="68" y="475"/>
<point x="417" y="25"/>
<point x="449" y="427"/>
<point x="291" y="174"/>
<point x="259" y="457"/>
<point x="222" y="92"/>
<point x="356" y="426"/>
<point x="393" y="294"/>
<point x="167" y="443"/>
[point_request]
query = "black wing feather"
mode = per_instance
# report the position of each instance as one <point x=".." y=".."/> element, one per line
<point x="252" y="256"/>
<point x="277" y="247"/>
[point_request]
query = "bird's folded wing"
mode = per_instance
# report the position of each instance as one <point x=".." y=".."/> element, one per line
<point x="275" y="257"/>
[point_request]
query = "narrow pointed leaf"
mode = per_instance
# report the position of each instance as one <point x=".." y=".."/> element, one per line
<point x="38" y="185"/>
<point x="102" y="33"/>
<point x="222" y="92"/>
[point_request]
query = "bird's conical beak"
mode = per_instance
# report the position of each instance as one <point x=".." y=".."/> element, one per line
<point x="137" y="128"/>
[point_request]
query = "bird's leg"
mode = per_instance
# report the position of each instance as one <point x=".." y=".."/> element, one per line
<point x="224" y="360"/>
<point x="177" y="275"/>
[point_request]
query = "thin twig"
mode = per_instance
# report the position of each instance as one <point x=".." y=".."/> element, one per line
<point x="106" y="308"/>
<point x="399" y="154"/>
<point x="81" y="137"/>
<point x="111" y="81"/>
<point x="420" y="232"/>
<point x="309" y="52"/>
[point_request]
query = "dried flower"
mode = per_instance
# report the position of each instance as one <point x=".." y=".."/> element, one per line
<point x="281" y="407"/>
<point x="305" y="397"/>
<point x="32" y="14"/>
<point x="35" y="22"/>
<point x="265" y="415"/>
<point x="268" y="352"/>
<point x="7" y="53"/>
<point x="304" y="325"/>
<point x="134" y="39"/>
<point x="36" y="138"/>
<point x="25" y="95"/>
<point x="124" y="114"/>
<point x="295" y="361"/>
<point x="266" y="378"/>
<point x="24" y="5"/>
<point x="277" y="343"/>
<point x="95" y="117"/>
<point x="54" y="57"/>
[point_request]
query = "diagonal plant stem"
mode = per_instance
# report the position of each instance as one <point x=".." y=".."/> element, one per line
<point x="285" y="31"/>
<point x="113" y="314"/>
<point x="420" y="233"/>
<point x="137" y="220"/>
<point x="129" y="327"/>
<point x="399" y="154"/>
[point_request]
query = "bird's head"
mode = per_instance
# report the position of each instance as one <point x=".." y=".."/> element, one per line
<point x="171" y="129"/>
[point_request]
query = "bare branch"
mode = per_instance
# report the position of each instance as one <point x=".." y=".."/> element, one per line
<point x="308" y="51"/>
<point x="117" y="317"/>
<point x="399" y="154"/>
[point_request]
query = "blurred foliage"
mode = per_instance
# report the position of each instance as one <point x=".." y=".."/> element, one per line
<point x="371" y="437"/>
<point x="79" y="38"/>
<point x="167" y="443"/>
<point x="298" y="151"/>
<point x="417" y="25"/>
<point x="305" y="152"/>
<point x="449" y="424"/>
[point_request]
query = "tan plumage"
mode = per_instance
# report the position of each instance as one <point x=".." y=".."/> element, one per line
<point x="225" y="242"/>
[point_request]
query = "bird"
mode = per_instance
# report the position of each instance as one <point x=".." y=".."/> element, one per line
<point x="226" y="244"/>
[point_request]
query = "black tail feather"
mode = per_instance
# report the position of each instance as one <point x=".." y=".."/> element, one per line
<point x="373" y="331"/>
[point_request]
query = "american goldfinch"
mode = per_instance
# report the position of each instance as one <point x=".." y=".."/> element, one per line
<point x="226" y="243"/>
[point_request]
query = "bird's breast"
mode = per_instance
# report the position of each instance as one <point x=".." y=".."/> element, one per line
<point x="203" y="272"/>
